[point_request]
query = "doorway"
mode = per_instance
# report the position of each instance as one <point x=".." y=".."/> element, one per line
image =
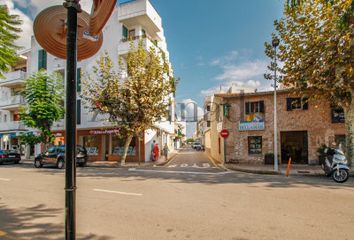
<point x="294" y="144"/>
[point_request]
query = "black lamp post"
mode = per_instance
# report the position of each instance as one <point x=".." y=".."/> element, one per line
<point x="73" y="8"/>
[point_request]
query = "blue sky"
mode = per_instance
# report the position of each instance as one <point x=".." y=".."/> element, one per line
<point x="213" y="43"/>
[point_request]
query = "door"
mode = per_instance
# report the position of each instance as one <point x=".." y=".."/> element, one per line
<point x="294" y="144"/>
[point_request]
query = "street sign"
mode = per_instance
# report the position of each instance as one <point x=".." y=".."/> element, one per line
<point x="224" y="133"/>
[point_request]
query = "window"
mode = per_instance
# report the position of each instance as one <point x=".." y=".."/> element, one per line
<point x="254" y="107"/>
<point x="125" y="32"/>
<point x="16" y="117"/>
<point x="208" y="108"/>
<point x="92" y="144"/>
<point x="42" y="59"/>
<point x="208" y="123"/>
<point x="297" y="103"/>
<point x="78" y="81"/>
<point x="337" y="114"/>
<point x="118" y="146"/>
<point x="78" y="111"/>
<point x="255" y="145"/>
<point x="5" y="118"/>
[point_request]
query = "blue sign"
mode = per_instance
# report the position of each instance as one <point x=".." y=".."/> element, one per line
<point x="251" y="126"/>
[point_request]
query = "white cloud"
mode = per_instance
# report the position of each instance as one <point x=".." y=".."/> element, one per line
<point x="243" y="71"/>
<point x="225" y="60"/>
<point x="238" y="71"/>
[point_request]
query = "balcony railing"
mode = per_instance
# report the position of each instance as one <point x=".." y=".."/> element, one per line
<point x="12" y="102"/>
<point x="124" y="47"/>
<point x="13" y="79"/>
<point x="13" y="125"/>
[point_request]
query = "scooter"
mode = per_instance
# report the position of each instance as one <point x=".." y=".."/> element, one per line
<point x="335" y="165"/>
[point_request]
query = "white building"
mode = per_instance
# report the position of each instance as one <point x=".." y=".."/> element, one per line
<point x="130" y="21"/>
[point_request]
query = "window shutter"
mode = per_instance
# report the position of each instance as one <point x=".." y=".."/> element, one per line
<point x="125" y="32"/>
<point x="247" y="108"/>
<point x="78" y="111"/>
<point x="261" y="106"/>
<point x="78" y="80"/>
<point x="305" y="103"/>
<point x="288" y="104"/>
<point x="42" y="59"/>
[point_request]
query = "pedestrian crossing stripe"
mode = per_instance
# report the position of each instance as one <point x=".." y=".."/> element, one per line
<point x="185" y="165"/>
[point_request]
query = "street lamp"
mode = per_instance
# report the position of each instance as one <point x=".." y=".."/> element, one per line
<point x="275" y="44"/>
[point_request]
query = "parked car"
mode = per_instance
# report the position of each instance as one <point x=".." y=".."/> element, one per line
<point x="56" y="156"/>
<point x="197" y="146"/>
<point x="9" y="156"/>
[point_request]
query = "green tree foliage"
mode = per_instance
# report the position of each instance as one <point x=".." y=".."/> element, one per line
<point x="136" y="96"/>
<point x="9" y="29"/>
<point x="317" y="51"/>
<point x="43" y="94"/>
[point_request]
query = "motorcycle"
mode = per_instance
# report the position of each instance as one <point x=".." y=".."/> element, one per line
<point x="335" y="165"/>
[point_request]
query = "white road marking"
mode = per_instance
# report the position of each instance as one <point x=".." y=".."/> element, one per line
<point x="206" y="165"/>
<point x="171" y="166"/>
<point x="183" y="172"/>
<point x="184" y="165"/>
<point x="122" y="193"/>
<point x="4" y="179"/>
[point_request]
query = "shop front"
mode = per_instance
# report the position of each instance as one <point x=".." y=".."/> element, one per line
<point x="105" y="144"/>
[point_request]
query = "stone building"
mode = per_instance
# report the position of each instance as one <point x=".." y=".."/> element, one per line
<point x="303" y="126"/>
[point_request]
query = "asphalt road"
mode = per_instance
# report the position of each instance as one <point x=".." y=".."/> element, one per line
<point x="179" y="202"/>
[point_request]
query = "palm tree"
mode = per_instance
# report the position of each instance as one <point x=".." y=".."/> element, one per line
<point x="8" y="34"/>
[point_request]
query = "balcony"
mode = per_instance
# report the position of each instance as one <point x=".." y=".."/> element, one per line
<point x="12" y="103"/>
<point x="140" y="13"/>
<point x="124" y="46"/>
<point x="12" y="126"/>
<point x="13" y="79"/>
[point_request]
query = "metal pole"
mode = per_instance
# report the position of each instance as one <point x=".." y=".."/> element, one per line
<point x="275" y="115"/>
<point x="139" y="147"/>
<point x="70" y="149"/>
<point x="224" y="150"/>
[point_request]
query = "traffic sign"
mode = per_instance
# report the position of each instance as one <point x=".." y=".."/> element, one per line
<point x="224" y="133"/>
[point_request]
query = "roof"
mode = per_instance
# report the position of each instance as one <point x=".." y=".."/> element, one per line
<point x="236" y="95"/>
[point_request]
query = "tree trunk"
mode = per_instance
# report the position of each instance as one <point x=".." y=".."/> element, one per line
<point x="349" y="123"/>
<point x="126" y="147"/>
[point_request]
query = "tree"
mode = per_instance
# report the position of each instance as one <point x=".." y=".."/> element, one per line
<point x="8" y="34"/>
<point x="317" y="51"/>
<point x="44" y="98"/>
<point x="134" y="97"/>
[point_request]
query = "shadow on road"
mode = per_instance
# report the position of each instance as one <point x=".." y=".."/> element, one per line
<point x="123" y="174"/>
<point x="34" y="224"/>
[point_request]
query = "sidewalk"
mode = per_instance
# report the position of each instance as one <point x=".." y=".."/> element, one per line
<point x="114" y="164"/>
<point x="297" y="170"/>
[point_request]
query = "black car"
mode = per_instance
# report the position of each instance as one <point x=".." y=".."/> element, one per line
<point x="56" y="156"/>
<point x="9" y="156"/>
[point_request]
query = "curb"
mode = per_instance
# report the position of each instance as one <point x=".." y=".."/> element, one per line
<point x="166" y="162"/>
<point x="270" y="172"/>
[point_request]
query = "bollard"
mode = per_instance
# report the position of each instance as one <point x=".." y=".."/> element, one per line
<point x="288" y="168"/>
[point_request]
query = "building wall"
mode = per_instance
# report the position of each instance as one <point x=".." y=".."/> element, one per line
<point x="316" y="121"/>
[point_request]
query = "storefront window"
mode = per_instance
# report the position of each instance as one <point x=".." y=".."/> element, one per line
<point x="254" y="145"/>
<point x="118" y="146"/>
<point x="92" y="144"/>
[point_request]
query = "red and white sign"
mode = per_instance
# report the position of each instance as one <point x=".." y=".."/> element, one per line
<point x="224" y="133"/>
